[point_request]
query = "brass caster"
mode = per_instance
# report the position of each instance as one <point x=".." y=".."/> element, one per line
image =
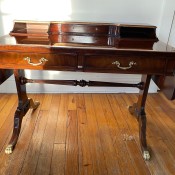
<point x="146" y="155"/>
<point x="9" y="149"/>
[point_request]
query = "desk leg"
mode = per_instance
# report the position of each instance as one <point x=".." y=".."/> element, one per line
<point x="138" y="110"/>
<point x="24" y="104"/>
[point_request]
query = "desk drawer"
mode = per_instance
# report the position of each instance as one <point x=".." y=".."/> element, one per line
<point x="90" y="40"/>
<point x="124" y="64"/>
<point x="83" y="28"/>
<point x="50" y="61"/>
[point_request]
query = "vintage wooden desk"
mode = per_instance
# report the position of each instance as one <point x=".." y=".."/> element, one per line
<point x="86" y="47"/>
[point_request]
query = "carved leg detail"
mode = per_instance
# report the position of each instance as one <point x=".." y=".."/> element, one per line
<point x="24" y="104"/>
<point x="138" y="110"/>
<point x="141" y="117"/>
<point x="19" y="114"/>
<point x="16" y="130"/>
<point x="142" y="133"/>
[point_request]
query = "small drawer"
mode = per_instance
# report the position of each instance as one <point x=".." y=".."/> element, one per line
<point x="88" y="40"/>
<point x="85" y="28"/>
<point x="124" y="64"/>
<point x="45" y="61"/>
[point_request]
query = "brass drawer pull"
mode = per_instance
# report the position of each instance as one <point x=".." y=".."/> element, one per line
<point x="131" y="63"/>
<point x="41" y="61"/>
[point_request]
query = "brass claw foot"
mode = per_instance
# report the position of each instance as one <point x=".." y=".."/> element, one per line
<point x="9" y="149"/>
<point x="146" y="155"/>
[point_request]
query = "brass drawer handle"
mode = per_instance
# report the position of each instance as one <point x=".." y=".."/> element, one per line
<point x="41" y="61"/>
<point x="131" y="63"/>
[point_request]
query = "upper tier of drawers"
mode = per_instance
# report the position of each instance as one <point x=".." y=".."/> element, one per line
<point x="28" y="28"/>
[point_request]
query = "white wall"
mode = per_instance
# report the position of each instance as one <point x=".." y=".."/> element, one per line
<point x="135" y="11"/>
<point x="132" y="11"/>
<point x="167" y="22"/>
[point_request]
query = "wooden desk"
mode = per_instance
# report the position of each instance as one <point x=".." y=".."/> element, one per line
<point x="85" y="47"/>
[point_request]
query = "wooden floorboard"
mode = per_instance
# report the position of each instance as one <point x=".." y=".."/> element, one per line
<point x="87" y="134"/>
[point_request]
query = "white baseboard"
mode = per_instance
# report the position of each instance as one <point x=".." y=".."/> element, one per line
<point x="9" y="85"/>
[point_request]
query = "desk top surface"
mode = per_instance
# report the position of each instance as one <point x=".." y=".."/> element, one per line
<point x="11" y="41"/>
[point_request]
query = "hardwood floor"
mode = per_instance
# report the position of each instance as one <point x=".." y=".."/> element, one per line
<point x="87" y="134"/>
